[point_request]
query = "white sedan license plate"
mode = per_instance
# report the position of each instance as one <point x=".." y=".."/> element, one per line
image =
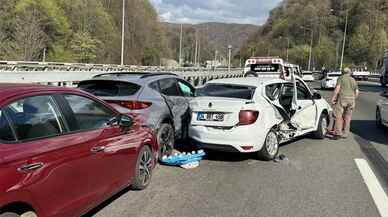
<point x="210" y="116"/>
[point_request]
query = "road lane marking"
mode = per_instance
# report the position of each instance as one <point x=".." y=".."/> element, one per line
<point x="378" y="194"/>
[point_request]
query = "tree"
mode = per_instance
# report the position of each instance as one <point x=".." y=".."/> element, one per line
<point x="366" y="32"/>
<point x="300" y="55"/>
<point x="84" y="47"/>
<point x="359" y="45"/>
<point x="377" y="48"/>
<point x="29" y="37"/>
<point x="325" y="53"/>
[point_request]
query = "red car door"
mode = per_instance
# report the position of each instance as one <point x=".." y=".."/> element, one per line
<point x="55" y="170"/>
<point x="114" y="149"/>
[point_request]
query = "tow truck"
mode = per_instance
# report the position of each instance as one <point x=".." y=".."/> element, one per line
<point x="361" y="73"/>
<point x="267" y="67"/>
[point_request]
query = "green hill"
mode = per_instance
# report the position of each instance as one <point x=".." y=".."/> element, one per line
<point x="80" y="31"/>
<point x="293" y="20"/>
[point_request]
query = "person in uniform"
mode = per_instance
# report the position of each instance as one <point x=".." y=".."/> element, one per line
<point x="344" y="102"/>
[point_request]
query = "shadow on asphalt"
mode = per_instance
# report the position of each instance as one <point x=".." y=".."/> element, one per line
<point x="368" y="130"/>
<point x="106" y="203"/>
<point x="227" y="156"/>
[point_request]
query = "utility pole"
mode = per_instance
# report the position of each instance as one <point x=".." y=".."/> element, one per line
<point x="288" y="47"/>
<point x="122" y="33"/>
<point x="215" y="59"/>
<point x="230" y="56"/>
<point x="199" y="51"/>
<point x="180" y="46"/>
<point x="311" y="45"/>
<point x="344" y="41"/>
<point x="196" y="48"/>
<point x="311" y="49"/>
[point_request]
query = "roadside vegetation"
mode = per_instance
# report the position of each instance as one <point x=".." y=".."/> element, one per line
<point x="80" y="31"/>
<point x="290" y="25"/>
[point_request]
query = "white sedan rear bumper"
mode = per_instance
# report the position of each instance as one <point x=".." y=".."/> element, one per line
<point x="236" y="139"/>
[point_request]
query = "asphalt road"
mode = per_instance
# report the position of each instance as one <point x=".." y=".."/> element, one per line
<point x="319" y="179"/>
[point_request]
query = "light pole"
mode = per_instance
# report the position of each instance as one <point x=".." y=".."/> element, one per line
<point x="215" y="59"/>
<point x="230" y="56"/>
<point x="288" y="47"/>
<point x="180" y="46"/>
<point x="196" y="48"/>
<point x="122" y="34"/>
<point x="344" y="41"/>
<point x="311" y="46"/>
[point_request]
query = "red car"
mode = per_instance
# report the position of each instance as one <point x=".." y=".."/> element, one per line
<point x="63" y="151"/>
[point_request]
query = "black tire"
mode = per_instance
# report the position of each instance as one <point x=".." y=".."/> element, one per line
<point x="9" y="214"/>
<point x="143" y="169"/>
<point x="379" y="122"/>
<point x="266" y="153"/>
<point x="322" y="127"/>
<point x="165" y="137"/>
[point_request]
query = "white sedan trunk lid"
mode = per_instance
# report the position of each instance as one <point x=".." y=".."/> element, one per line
<point x="218" y="111"/>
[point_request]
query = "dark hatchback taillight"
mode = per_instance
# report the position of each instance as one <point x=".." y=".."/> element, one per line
<point x="247" y="117"/>
<point x="132" y="105"/>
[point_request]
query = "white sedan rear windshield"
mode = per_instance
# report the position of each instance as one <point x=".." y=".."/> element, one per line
<point x="109" y="88"/>
<point x="227" y="91"/>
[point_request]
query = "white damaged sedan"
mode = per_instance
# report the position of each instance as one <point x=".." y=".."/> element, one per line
<point x="256" y="115"/>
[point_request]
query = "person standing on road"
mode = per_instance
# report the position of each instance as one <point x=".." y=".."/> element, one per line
<point x="344" y="102"/>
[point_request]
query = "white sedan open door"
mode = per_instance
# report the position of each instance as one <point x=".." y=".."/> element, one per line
<point x="306" y="111"/>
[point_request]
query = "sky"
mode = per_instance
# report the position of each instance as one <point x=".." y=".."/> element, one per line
<point x="226" y="11"/>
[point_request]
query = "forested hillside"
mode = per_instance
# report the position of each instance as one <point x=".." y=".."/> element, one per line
<point x="293" y="21"/>
<point x="80" y="31"/>
<point x="210" y="37"/>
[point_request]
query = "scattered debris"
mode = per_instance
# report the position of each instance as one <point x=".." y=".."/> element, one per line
<point x="280" y="157"/>
<point x="184" y="160"/>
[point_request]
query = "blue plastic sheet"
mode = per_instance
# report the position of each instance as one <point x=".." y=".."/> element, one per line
<point x="184" y="158"/>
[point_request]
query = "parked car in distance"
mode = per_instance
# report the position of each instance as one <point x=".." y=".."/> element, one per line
<point x="382" y="111"/>
<point x="161" y="98"/>
<point x="330" y="80"/>
<point x="384" y="70"/>
<point x="63" y="151"/>
<point x="255" y="115"/>
<point x="308" y="76"/>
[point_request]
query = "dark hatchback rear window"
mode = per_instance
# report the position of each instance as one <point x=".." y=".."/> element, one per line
<point x="109" y="88"/>
<point x="227" y="91"/>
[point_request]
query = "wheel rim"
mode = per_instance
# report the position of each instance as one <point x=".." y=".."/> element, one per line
<point x="324" y="125"/>
<point x="272" y="143"/>
<point x="166" y="141"/>
<point x="145" y="167"/>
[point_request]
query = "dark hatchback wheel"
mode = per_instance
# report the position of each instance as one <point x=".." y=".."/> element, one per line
<point x="144" y="166"/>
<point x="166" y="140"/>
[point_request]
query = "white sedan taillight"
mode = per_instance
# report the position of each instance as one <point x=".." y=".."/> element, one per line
<point x="247" y="117"/>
